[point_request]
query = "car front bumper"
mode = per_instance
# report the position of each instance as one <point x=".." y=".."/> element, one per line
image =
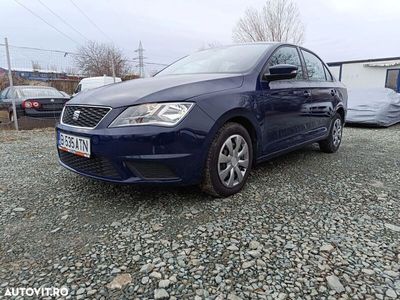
<point x="143" y="154"/>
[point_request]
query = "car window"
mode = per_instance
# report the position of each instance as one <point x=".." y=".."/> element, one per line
<point x="78" y="89"/>
<point x="229" y="59"/>
<point x="315" y="67"/>
<point x="287" y="55"/>
<point x="10" y="93"/>
<point x="29" y="92"/>
<point x="393" y="79"/>
<point x="4" y="93"/>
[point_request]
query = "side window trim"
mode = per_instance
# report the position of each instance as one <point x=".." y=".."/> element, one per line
<point x="6" y="93"/>
<point x="323" y="65"/>
<point x="264" y="68"/>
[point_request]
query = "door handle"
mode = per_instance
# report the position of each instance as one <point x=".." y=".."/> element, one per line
<point x="307" y="94"/>
<point x="333" y="93"/>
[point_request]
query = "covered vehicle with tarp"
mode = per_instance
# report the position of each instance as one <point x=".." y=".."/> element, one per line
<point x="373" y="107"/>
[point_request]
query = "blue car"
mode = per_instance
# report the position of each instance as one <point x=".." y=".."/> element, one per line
<point x="206" y="119"/>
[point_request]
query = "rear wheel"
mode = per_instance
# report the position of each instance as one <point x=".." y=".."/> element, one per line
<point x="229" y="161"/>
<point x="332" y="143"/>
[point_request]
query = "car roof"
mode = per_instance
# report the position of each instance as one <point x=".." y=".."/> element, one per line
<point x="33" y="87"/>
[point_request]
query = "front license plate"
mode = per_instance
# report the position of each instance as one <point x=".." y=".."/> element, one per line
<point x="74" y="144"/>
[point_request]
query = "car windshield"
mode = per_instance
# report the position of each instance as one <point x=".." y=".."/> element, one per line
<point x="29" y="92"/>
<point x="230" y="59"/>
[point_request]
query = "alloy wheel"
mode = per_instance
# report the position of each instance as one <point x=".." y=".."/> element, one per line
<point x="337" y="132"/>
<point x="233" y="160"/>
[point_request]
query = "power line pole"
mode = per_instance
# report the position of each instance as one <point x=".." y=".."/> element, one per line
<point x="140" y="51"/>
<point x="113" y="67"/>
<point x="10" y="80"/>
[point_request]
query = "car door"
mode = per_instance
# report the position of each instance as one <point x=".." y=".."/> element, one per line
<point x="4" y="114"/>
<point x="281" y="104"/>
<point x="320" y="108"/>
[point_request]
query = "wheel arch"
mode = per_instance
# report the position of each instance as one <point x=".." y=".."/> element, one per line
<point x="248" y="121"/>
<point x="340" y="110"/>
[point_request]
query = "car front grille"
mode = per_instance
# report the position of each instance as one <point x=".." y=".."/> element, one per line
<point x="85" y="116"/>
<point x="97" y="166"/>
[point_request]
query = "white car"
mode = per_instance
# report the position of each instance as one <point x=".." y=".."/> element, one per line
<point x="373" y="107"/>
<point x="94" y="82"/>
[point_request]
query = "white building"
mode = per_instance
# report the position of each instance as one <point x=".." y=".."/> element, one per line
<point x="370" y="73"/>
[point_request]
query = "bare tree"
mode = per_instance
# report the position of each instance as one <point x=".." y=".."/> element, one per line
<point x="278" y="21"/>
<point x="95" y="59"/>
<point x="209" y="45"/>
<point x="35" y="65"/>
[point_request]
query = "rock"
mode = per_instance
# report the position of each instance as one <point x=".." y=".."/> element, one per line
<point x="261" y="263"/>
<point x="147" y="268"/>
<point x="120" y="281"/>
<point x="391" y="293"/>
<point x="254" y="245"/>
<point x="392" y="273"/>
<point x="80" y="291"/>
<point x="115" y="271"/>
<point x="290" y="246"/>
<point x="19" y="209"/>
<point x="392" y="227"/>
<point x="155" y="275"/>
<point x="145" y="280"/>
<point x="218" y="279"/>
<point x="254" y="253"/>
<point x="282" y="296"/>
<point x="368" y="271"/>
<point x="248" y="264"/>
<point x="156" y="227"/>
<point x="335" y="284"/>
<point x="161" y="294"/>
<point x="91" y="292"/>
<point x="233" y="297"/>
<point x="326" y="248"/>
<point x="233" y="248"/>
<point x="115" y="224"/>
<point x="55" y="230"/>
<point x="164" y="283"/>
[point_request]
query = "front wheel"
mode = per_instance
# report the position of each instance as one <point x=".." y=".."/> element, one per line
<point x="229" y="161"/>
<point x="332" y="143"/>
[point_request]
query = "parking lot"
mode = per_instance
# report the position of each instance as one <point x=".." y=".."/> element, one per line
<point x="307" y="225"/>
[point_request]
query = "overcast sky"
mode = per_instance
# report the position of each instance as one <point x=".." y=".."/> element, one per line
<point x="169" y="29"/>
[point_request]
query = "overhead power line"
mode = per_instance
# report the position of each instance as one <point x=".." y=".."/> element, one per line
<point x="40" y="49"/>
<point x="38" y="16"/>
<point x="90" y="20"/>
<point x="62" y="20"/>
<point x="153" y="63"/>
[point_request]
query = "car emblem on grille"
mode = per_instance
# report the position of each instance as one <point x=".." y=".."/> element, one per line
<point x="52" y="100"/>
<point x="76" y="115"/>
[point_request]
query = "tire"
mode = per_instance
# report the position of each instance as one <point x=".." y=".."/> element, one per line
<point x="227" y="156"/>
<point x="332" y="143"/>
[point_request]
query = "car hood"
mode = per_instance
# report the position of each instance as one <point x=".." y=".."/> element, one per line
<point x="158" y="89"/>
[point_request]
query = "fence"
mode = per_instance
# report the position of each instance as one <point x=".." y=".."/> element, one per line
<point x="42" y="67"/>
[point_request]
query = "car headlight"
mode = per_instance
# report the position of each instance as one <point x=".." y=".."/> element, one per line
<point x="162" y="114"/>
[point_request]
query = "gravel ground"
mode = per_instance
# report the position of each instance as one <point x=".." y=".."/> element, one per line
<point x="307" y="225"/>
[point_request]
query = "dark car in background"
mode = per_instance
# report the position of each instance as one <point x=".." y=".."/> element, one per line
<point x="207" y="119"/>
<point x="37" y="102"/>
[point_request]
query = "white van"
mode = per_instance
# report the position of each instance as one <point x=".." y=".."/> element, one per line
<point x="94" y="82"/>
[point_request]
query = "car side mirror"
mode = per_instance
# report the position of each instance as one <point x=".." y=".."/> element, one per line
<point x="281" y="72"/>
